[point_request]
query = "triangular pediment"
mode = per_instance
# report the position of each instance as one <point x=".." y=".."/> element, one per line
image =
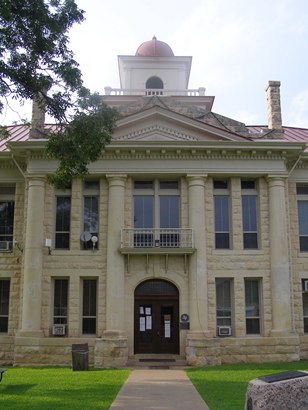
<point x="160" y="124"/>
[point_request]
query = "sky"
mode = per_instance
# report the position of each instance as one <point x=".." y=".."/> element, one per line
<point x="236" y="45"/>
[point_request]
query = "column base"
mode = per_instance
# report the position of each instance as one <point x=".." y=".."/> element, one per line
<point x="111" y="350"/>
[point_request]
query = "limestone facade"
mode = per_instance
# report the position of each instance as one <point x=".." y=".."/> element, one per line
<point x="178" y="141"/>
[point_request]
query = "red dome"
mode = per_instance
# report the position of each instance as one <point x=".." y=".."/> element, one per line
<point x="154" y="48"/>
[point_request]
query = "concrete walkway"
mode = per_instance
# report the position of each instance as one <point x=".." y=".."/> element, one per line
<point x="158" y="389"/>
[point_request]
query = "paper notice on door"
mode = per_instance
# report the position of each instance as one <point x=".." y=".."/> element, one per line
<point x="148" y="322"/>
<point x="147" y="310"/>
<point x="141" y="310"/>
<point x="142" y="324"/>
<point x="167" y="329"/>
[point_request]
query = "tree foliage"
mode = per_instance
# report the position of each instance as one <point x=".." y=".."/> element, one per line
<point x="34" y="52"/>
<point x="35" y="58"/>
<point x="81" y="141"/>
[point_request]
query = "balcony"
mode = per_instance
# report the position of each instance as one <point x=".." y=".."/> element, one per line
<point x="155" y="91"/>
<point x="157" y="241"/>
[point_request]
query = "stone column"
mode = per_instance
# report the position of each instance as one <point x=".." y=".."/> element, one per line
<point x="112" y="349"/>
<point x="198" y="311"/>
<point x="115" y="305"/>
<point x="279" y="252"/>
<point x="33" y="259"/>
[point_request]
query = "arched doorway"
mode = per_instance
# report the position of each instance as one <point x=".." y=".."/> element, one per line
<point x="156" y="317"/>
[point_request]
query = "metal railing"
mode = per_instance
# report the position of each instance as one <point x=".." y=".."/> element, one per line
<point x="157" y="238"/>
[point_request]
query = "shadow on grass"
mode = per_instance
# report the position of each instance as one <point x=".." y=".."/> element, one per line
<point x="16" y="388"/>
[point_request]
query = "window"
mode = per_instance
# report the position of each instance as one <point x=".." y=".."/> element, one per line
<point x="252" y="306"/>
<point x="302" y="210"/>
<point x="4" y="305"/>
<point x="152" y="84"/>
<point x="156" y="206"/>
<point x="89" y="307"/>
<point x="222" y="212"/>
<point x="223" y="302"/>
<point x="249" y="213"/>
<point x="7" y="197"/>
<point x="60" y="305"/>
<point x="63" y="221"/>
<point x="90" y="214"/>
<point x="305" y="303"/>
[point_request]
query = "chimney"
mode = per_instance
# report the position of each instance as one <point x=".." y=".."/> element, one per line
<point x="273" y="106"/>
<point x="38" y="117"/>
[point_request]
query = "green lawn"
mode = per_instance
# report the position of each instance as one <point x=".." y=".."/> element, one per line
<point x="224" y="387"/>
<point x="59" y="388"/>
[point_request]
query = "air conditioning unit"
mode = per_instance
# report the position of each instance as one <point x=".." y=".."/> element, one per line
<point x="58" y="330"/>
<point x="224" y="330"/>
<point x="306" y="285"/>
<point x="4" y="246"/>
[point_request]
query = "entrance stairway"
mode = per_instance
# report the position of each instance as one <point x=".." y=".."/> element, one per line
<point x="157" y="361"/>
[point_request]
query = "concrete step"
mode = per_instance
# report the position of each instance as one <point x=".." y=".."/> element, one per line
<point x="156" y="361"/>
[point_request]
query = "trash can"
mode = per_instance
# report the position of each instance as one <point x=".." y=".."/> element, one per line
<point x="80" y="356"/>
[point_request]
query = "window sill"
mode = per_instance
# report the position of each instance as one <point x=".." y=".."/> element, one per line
<point x="239" y="251"/>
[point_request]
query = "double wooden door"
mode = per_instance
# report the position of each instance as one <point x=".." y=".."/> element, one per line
<point x="157" y="323"/>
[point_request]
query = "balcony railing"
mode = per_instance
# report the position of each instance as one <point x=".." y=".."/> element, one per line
<point x="157" y="238"/>
<point x="155" y="91"/>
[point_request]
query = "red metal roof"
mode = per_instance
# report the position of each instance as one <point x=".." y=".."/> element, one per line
<point x="21" y="133"/>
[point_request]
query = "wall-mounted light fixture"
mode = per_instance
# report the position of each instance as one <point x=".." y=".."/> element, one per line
<point x="94" y="240"/>
<point x="48" y="245"/>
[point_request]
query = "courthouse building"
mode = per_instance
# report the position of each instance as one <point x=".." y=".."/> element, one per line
<point x="187" y="240"/>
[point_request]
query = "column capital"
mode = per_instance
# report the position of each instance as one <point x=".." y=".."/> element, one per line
<point x="193" y="178"/>
<point x="276" y="177"/>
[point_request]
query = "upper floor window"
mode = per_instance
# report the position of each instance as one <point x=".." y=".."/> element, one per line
<point x="152" y="84"/>
<point x="156" y="205"/>
<point x="250" y="214"/>
<point x="90" y="214"/>
<point x="63" y="220"/>
<point x="302" y="209"/>
<point x="222" y="214"/>
<point x="4" y="305"/>
<point x="7" y="204"/>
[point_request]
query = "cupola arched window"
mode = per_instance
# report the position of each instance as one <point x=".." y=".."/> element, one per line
<point x="152" y="84"/>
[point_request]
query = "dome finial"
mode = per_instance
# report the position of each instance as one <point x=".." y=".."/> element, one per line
<point x="154" y="38"/>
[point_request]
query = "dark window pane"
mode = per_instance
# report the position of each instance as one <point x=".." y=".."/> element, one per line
<point x="143" y="184"/>
<point x="302" y="207"/>
<point x="89" y="326"/>
<point x="91" y="185"/>
<point x="169" y="185"/>
<point x="222" y="241"/>
<point x="89" y="297"/>
<point x="250" y="240"/>
<point x="154" y="83"/>
<point x="4" y="305"/>
<point x="91" y="214"/>
<point x="60" y="301"/>
<point x="249" y="209"/>
<point x="302" y="189"/>
<point x="303" y="243"/>
<point x="248" y="184"/>
<point x="4" y="322"/>
<point x="252" y="326"/>
<point x="169" y="212"/>
<point x="143" y="211"/>
<point x="62" y="241"/>
<point x="220" y="184"/>
<point x="63" y="222"/>
<point x="63" y="214"/>
<point x="221" y="213"/>
<point x="6" y="220"/>
<point x="252" y="306"/>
